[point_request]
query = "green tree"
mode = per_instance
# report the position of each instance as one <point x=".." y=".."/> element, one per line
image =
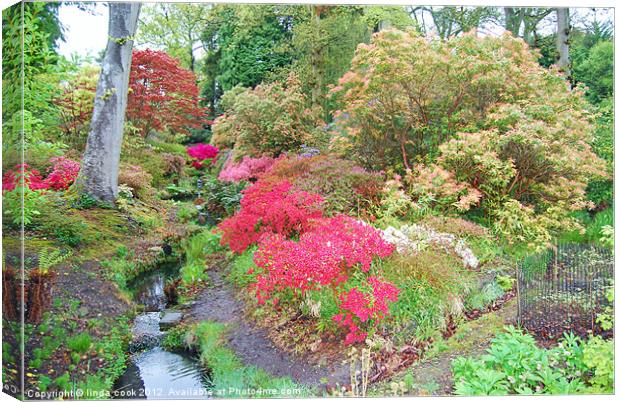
<point x="267" y="120"/>
<point x="41" y="76"/>
<point x="596" y="71"/>
<point x="244" y="45"/>
<point x="175" y="28"/>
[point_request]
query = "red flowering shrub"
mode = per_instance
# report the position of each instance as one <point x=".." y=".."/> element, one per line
<point x="323" y="256"/>
<point x="31" y="178"/>
<point x="269" y="209"/>
<point x="62" y="174"/>
<point x="200" y="152"/>
<point x="248" y="169"/>
<point x="359" y="307"/>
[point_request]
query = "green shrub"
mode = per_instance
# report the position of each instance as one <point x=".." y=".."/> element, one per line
<point x="120" y="270"/>
<point x="240" y="267"/>
<point x="598" y="356"/>
<point x="60" y="223"/>
<point x="505" y="282"/>
<point x="196" y="249"/>
<point x="432" y="284"/>
<point x="79" y="343"/>
<point x="514" y="364"/>
<point x="187" y="213"/>
<point x="221" y="198"/>
<point x="593" y="227"/>
<point x="596" y="71"/>
<point x="267" y="120"/>
<point x="601" y="192"/>
<point x="14" y="210"/>
<point x="479" y="299"/>
<point x="84" y="201"/>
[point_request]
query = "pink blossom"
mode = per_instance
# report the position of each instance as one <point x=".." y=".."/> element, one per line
<point x="248" y="168"/>
<point x="202" y="151"/>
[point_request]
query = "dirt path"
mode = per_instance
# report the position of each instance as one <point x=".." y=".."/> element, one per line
<point x="250" y="343"/>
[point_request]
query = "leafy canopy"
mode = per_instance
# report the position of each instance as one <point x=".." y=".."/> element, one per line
<point x="163" y="95"/>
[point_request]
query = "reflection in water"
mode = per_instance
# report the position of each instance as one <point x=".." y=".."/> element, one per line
<point x="149" y="292"/>
<point x="158" y="374"/>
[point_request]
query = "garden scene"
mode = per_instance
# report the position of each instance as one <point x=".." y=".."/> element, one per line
<point x="261" y="201"/>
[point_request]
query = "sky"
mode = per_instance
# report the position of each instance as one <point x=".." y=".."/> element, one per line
<point x="86" y="34"/>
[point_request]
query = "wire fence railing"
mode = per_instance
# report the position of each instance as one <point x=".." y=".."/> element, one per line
<point x="564" y="289"/>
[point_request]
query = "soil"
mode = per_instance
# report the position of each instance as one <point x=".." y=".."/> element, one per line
<point x="252" y="344"/>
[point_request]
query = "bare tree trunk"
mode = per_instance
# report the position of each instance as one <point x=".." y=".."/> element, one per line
<point x="513" y="18"/>
<point x="99" y="172"/>
<point x="562" y="43"/>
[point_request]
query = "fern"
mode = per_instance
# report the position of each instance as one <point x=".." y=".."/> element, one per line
<point x="49" y="259"/>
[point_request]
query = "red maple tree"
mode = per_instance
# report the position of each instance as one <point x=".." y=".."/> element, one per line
<point x="163" y="95"/>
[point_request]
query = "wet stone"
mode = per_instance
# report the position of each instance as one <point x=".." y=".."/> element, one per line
<point x="169" y="319"/>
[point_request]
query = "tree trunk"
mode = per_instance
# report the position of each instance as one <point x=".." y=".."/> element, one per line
<point x="99" y="172"/>
<point x="562" y="43"/>
<point x="513" y="18"/>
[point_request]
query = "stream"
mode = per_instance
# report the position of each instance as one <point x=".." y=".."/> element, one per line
<point x="152" y="372"/>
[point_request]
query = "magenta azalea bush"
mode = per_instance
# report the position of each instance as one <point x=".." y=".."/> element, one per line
<point x="359" y="307"/>
<point x="269" y="209"/>
<point x="61" y="175"/>
<point x="248" y="169"/>
<point x="201" y="152"/>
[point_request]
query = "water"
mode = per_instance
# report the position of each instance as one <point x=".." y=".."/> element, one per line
<point x="154" y="373"/>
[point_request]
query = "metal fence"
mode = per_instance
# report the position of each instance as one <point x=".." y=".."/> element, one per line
<point x="563" y="289"/>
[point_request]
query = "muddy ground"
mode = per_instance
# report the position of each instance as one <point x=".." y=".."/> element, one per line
<point x="220" y="302"/>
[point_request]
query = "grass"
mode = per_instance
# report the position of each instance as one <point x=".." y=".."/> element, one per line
<point x="229" y="377"/>
<point x="196" y="248"/>
<point x="433" y="283"/>
<point x="238" y="275"/>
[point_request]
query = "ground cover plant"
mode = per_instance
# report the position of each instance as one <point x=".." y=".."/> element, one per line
<point x="350" y="193"/>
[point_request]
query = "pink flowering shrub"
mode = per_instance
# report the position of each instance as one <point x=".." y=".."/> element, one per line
<point x="30" y="177"/>
<point x="248" y="169"/>
<point x="62" y="174"/>
<point x="201" y="152"/>
<point x="358" y="307"/>
<point x="269" y="209"/>
<point x="326" y="256"/>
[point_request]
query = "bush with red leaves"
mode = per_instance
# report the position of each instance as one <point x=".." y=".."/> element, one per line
<point x="62" y="174"/>
<point x="269" y="209"/>
<point x="163" y="95"/>
<point x="326" y="256"/>
<point x="31" y="177"/>
<point x="358" y="307"/>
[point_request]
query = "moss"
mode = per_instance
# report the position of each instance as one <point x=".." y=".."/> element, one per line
<point x="470" y="335"/>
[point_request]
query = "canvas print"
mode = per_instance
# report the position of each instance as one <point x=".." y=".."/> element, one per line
<point x="208" y="201"/>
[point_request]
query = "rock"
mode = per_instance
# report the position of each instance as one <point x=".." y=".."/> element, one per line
<point x="170" y="319"/>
